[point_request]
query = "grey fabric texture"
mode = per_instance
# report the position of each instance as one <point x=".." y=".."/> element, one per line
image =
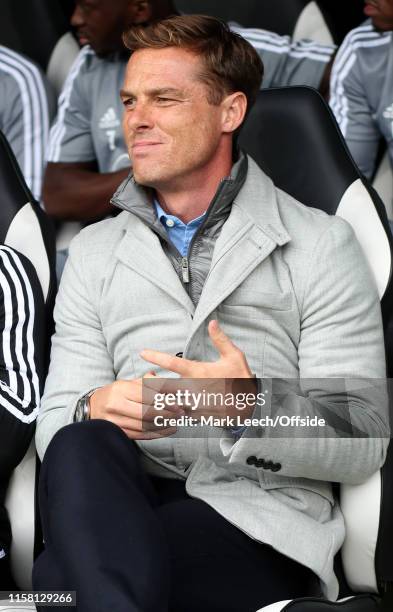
<point x="27" y="104"/>
<point x="290" y="286"/>
<point x="362" y="93"/>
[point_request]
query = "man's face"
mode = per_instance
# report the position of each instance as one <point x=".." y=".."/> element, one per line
<point x="100" y="23"/>
<point x="381" y="13"/>
<point x="171" y="130"/>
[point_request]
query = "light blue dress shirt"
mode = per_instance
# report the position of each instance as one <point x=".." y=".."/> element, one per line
<point x="179" y="233"/>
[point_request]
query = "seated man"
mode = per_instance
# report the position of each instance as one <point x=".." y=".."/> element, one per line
<point x="27" y="103"/>
<point x="22" y="321"/>
<point x="362" y="86"/>
<point x="87" y="154"/>
<point x="139" y="515"/>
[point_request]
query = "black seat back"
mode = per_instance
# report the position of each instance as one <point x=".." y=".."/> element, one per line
<point x="293" y="136"/>
<point x="33" y="28"/>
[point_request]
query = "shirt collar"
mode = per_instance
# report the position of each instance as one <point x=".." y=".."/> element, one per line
<point x="163" y="216"/>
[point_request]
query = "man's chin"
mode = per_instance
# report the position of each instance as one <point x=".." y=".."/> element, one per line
<point x="145" y="179"/>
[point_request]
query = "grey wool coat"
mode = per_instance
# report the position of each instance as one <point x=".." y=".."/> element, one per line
<point x="291" y="287"/>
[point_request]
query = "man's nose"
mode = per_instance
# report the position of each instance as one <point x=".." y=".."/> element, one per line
<point x="140" y="117"/>
<point x="77" y="17"/>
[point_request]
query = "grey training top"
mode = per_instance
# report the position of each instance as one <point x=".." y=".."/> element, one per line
<point x="362" y="93"/>
<point x="88" y="125"/>
<point x="25" y="103"/>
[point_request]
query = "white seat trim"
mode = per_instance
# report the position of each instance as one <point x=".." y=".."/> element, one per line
<point x="358" y="209"/>
<point x="311" y="24"/>
<point x="362" y="504"/>
<point x="20" y="506"/>
<point x="61" y="60"/>
<point x="383" y="184"/>
<point x="24" y="235"/>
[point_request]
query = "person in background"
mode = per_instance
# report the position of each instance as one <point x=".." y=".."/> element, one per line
<point x="22" y="329"/>
<point x="26" y="106"/>
<point x="362" y="86"/>
<point x="87" y="157"/>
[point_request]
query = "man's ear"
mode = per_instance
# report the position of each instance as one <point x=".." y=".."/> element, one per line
<point x="140" y="11"/>
<point x="234" y="110"/>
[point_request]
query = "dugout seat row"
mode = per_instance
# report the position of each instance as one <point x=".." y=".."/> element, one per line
<point x="293" y="136"/>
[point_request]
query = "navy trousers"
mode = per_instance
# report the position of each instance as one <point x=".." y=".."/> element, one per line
<point x="130" y="543"/>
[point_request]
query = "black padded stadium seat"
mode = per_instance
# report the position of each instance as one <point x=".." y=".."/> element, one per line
<point x="26" y="228"/>
<point x="293" y="136"/>
<point x="39" y="29"/>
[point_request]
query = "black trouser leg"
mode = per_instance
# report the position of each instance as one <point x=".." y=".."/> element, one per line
<point x="129" y="543"/>
<point x="216" y="567"/>
<point x="15" y="437"/>
<point x="99" y="523"/>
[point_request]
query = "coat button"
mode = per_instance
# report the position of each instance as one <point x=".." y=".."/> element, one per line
<point x="276" y="467"/>
<point x="252" y="460"/>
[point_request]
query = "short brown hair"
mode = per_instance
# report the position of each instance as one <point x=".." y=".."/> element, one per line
<point x="231" y="63"/>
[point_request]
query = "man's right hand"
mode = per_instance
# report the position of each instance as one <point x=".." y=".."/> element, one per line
<point x="121" y="403"/>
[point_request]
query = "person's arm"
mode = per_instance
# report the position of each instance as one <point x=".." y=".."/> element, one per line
<point x="288" y="62"/>
<point x="22" y="329"/>
<point x="24" y="119"/>
<point x="349" y="103"/>
<point x="81" y="361"/>
<point x="74" y="189"/>
<point x="342" y="373"/>
<point x="77" y="191"/>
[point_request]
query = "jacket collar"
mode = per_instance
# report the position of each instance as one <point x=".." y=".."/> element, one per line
<point x="248" y="188"/>
<point x="251" y="232"/>
<point x="138" y="200"/>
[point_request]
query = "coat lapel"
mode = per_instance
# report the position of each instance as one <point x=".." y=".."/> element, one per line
<point x="251" y="233"/>
<point x="140" y="250"/>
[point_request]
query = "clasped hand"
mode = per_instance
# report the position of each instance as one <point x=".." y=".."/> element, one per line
<point x="122" y="403"/>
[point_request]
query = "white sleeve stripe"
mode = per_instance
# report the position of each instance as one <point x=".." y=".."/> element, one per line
<point x="24" y="418"/>
<point x="292" y="50"/>
<point x="339" y="101"/>
<point x="35" y="116"/>
<point x="358" y="39"/>
<point x="341" y="68"/>
<point x="13" y="330"/>
<point x="343" y="54"/>
<point x="23" y="340"/>
<point x="260" y="38"/>
<point x="58" y="129"/>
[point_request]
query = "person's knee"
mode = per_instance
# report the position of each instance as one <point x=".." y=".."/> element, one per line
<point x="80" y="441"/>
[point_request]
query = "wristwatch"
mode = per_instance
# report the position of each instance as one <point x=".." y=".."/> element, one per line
<point x="82" y="410"/>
